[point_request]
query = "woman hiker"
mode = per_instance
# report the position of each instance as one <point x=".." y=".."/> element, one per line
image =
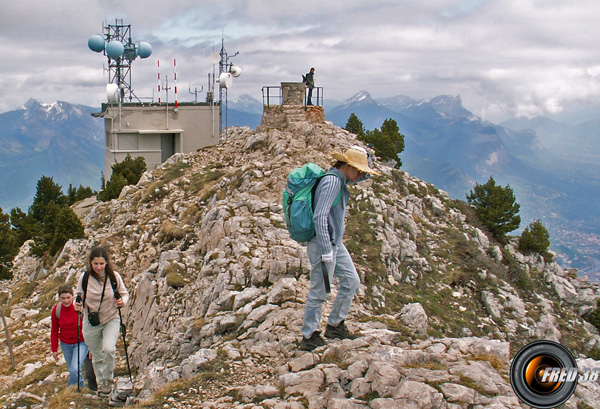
<point x="66" y="331"/>
<point x="103" y="292"/>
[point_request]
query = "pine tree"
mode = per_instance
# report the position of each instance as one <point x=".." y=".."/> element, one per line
<point x="355" y="126"/>
<point x="47" y="192"/>
<point x="75" y="195"/>
<point x="496" y="208"/>
<point x="387" y="142"/>
<point x="535" y="238"/>
<point x="124" y="173"/>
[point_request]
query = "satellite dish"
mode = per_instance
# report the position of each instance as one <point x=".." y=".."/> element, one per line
<point x="225" y="80"/>
<point x="144" y="49"/>
<point x="96" y="43"/>
<point x="215" y="58"/>
<point x="115" y="49"/>
<point x="112" y="93"/>
<point x="235" y="71"/>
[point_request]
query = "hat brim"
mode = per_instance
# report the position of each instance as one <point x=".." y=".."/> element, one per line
<point x="343" y="158"/>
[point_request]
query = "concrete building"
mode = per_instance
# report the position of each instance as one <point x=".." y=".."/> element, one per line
<point x="156" y="132"/>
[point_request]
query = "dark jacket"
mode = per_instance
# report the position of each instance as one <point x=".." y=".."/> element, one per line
<point x="310" y="79"/>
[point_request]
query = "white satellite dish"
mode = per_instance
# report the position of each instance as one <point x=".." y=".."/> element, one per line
<point x="215" y="58"/>
<point x="112" y="93"/>
<point x="225" y="80"/>
<point x="235" y="71"/>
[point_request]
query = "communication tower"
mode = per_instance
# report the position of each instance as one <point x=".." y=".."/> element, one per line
<point x="116" y="44"/>
<point x="227" y="71"/>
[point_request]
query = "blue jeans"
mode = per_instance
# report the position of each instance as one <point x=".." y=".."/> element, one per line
<point x="343" y="268"/>
<point x="70" y="353"/>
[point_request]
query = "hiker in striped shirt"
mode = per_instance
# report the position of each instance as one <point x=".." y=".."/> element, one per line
<point x="327" y="254"/>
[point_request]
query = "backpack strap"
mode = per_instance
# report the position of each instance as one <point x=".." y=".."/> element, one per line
<point x="338" y="197"/>
<point x="86" y="277"/>
<point x="57" y="311"/>
<point x="84" y="285"/>
<point x="113" y="284"/>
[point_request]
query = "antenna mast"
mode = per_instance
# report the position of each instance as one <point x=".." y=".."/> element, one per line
<point x="225" y="73"/>
<point x="117" y="45"/>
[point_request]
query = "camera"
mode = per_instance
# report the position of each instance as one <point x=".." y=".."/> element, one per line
<point x="93" y="318"/>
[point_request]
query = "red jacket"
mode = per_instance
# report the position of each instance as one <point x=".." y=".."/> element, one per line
<point x="66" y="328"/>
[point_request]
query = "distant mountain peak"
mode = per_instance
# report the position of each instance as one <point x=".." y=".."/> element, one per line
<point x="362" y="96"/>
<point x="58" y="110"/>
<point x="246" y="103"/>
<point x="450" y="105"/>
<point x="245" y="98"/>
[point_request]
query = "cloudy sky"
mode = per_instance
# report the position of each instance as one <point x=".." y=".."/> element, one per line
<point x="504" y="57"/>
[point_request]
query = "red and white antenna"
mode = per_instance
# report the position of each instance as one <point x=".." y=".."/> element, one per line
<point x="175" y="81"/>
<point x="158" y="64"/>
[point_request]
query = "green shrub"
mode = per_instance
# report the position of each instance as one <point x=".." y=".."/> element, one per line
<point x="535" y="238"/>
<point x="124" y="173"/>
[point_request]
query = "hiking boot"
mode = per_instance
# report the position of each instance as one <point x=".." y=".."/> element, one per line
<point x="340" y="331"/>
<point x="105" y="389"/>
<point x="315" y="341"/>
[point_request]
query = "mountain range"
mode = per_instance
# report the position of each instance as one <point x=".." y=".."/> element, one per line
<point x="60" y="140"/>
<point x="550" y="164"/>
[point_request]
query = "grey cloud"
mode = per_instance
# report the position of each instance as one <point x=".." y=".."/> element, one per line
<point x="504" y="57"/>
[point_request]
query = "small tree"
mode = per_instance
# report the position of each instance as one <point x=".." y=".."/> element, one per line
<point x="387" y="142"/>
<point x="113" y="188"/>
<point x="48" y="192"/>
<point x="124" y="173"/>
<point x="131" y="169"/>
<point x="496" y="208"/>
<point x="355" y="126"/>
<point x="535" y="238"/>
<point x="75" y="195"/>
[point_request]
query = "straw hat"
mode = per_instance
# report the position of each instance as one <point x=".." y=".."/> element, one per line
<point x="356" y="157"/>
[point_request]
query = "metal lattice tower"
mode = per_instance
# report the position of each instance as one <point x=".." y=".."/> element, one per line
<point x="118" y="46"/>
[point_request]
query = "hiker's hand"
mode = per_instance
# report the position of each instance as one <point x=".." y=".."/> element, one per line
<point x="327" y="258"/>
<point x="55" y="355"/>
<point x="77" y="306"/>
<point x="119" y="302"/>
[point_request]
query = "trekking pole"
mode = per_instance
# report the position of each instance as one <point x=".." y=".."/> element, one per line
<point x="78" y="353"/>
<point x="118" y="296"/>
<point x="125" y="344"/>
<point x="78" y="299"/>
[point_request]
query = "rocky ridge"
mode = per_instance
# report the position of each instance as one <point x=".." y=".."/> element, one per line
<point x="218" y="290"/>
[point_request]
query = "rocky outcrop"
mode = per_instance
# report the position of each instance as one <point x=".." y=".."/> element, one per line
<point x="218" y="287"/>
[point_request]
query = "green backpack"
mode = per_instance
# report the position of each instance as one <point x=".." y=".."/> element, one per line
<point x="298" y="206"/>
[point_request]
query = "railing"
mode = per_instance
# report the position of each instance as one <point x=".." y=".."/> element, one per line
<point x="270" y="93"/>
<point x="317" y="99"/>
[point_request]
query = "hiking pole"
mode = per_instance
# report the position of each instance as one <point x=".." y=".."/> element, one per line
<point x="78" y="299"/>
<point x="118" y="296"/>
<point x="125" y="344"/>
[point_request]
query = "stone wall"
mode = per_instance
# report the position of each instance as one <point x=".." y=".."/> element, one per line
<point x="293" y="93"/>
<point x="284" y="116"/>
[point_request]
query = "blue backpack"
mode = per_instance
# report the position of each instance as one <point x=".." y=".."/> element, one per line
<point x="298" y="206"/>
